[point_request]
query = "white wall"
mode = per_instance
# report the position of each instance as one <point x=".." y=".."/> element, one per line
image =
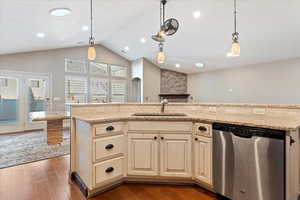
<point x="271" y="83"/>
<point x="53" y="61"/>
<point x="151" y="82"/>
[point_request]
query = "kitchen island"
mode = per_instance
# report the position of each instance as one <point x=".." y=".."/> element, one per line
<point x="116" y="143"/>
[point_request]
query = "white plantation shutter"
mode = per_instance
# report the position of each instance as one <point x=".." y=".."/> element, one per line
<point x="98" y="69"/>
<point x="94" y="82"/>
<point x="76" y="89"/>
<point x="118" y="91"/>
<point x="118" y="71"/>
<point x="75" y="66"/>
<point x="98" y="89"/>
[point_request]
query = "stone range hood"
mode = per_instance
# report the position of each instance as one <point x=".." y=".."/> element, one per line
<point x="173" y="86"/>
<point x="181" y="98"/>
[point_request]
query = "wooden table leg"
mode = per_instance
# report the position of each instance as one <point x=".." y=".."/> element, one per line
<point x="54" y="132"/>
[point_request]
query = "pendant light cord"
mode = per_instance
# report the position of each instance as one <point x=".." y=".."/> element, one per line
<point x="235" y="35"/>
<point x="92" y="20"/>
<point x="235" y="13"/>
<point x="162" y="12"/>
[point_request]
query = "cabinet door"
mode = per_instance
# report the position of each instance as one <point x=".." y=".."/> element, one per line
<point x="142" y="154"/>
<point x="203" y="159"/>
<point x="175" y="155"/>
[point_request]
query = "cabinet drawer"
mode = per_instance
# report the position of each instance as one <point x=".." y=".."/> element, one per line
<point x="108" y="171"/>
<point x="109" y="128"/>
<point x="203" y="129"/>
<point x="108" y="146"/>
<point x="160" y="126"/>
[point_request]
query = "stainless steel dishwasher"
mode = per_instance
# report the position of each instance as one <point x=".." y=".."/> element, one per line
<point x="249" y="163"/>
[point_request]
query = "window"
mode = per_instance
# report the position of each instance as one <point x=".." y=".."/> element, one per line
<point x="95" y="82"/>
<point x="98" y="69"/>
<point x="3" y="82"/>
<point x="75" y="66"/>
<point x="34" y="83"/>
<point x="118" y="91"/>
<point x="75" y="89"/>
<point x="118" y="71"/>
<point x="98" y="90"/>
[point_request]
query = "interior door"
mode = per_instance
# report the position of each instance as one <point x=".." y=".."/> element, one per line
<point x="36" y="88"/>
<point x="143" y="154"/>
<point x="176" y="150"/>
<point x="10" y="103"/>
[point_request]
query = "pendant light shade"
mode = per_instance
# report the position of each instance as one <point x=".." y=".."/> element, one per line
<point x="92" y="53"/>
<point x="235" y="49"/>
<point x="92" y="50"/>
<point x="235" y="46"/>
<point x="161" y="56"/>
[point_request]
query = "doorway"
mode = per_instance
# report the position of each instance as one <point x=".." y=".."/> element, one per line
<point x="20" y="94"/>
<point x="136" y="90"/>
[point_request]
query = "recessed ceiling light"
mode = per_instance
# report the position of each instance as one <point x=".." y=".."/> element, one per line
<point x="60" y="12"/>
<point x="200" y="65"/>
<point x="40" y="35"/>
<point x="197" y="14"/>
<point x="143" y="40"/>
<point x="177" y="65"/>
<point x="84" y="28"/>
<point x="126" y="48"/>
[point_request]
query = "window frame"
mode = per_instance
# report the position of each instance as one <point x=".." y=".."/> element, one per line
<point x="109" y="78"/>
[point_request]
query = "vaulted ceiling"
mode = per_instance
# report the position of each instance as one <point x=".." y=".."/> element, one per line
<point x="269" y="29"/>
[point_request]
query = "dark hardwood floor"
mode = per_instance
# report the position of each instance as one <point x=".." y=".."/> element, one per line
<point x="48" y="180"/>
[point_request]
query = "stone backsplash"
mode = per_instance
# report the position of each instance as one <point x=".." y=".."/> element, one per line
<point x="173" y="82"/>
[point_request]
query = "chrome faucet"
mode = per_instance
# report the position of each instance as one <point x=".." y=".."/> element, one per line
<point x="163" y="104"/>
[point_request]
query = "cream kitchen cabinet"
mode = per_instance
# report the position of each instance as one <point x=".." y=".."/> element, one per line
<point x="175" y="155"/>
<point x="203" y="159"/>
<point x="143" y="154"/>
<point x="172" y="151"/>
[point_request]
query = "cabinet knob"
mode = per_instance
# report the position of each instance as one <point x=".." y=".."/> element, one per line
<point x="162" y="138"/>
<point x="109" y="146"/>
<point x="196" y="139"/>
<point x="109" y="170"/>
<point x="155" y="138"/>
<point x="110" y="128"/>
<point x="202" y="128"/>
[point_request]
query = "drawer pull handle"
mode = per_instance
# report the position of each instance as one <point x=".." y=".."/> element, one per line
<point x="109" y="170"/>
<point x="110" y="128"/>
<point x="155" y="138"/>
<point x="202" y="128"/>
<point x="196" y="139"/>
<point x="109" y="146"/>
<point x="162" y="138"/>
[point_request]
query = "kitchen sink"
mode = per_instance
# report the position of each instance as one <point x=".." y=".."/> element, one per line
<point x="159" y="114"/>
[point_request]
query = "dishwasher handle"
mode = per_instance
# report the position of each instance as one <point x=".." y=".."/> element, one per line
<point x="240" y="132"/>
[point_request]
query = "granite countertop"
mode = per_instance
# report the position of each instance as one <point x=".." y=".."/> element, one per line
<point x="279" y="123"/>
<point x="47" y="116"/>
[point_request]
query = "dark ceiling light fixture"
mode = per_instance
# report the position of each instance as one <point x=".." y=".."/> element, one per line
<point x="92" y="50"/>
<point x="235" y="46"/>
<point x="166" y="28"/>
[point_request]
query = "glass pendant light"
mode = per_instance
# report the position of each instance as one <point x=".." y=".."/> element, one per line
<point x="92" y="49"/>
<point x="235" y="46"/>
<point x="161" y="56"/>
